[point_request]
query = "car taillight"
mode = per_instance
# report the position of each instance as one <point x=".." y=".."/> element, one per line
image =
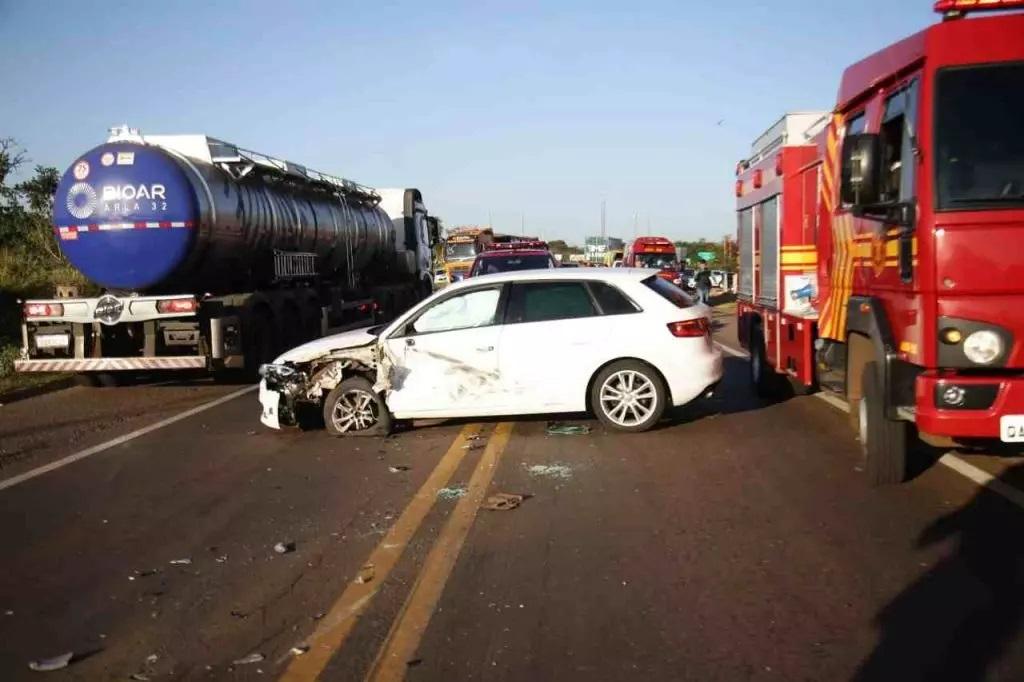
<point x="44" y="309"/>
<point x="690" y="328"/>
<point x="176" y="305"/>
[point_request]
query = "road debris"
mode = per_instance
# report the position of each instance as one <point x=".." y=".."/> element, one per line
<point x="284" y="547"/>
<point x="503" y="501"/>
<point x="221" y="559"/>
<point x="139" y="677"/>
<point x="319" y="615"/>
<point x="50" y="664"/>
<point x="145" y="573"/>
<point x="254" y="657"/>
<point x="367" y="573"/>
<point x="180" y="562"/>
<point x="474" y="445"/>
<point x="398" y="468"/>
<point x="561" y="471"/>
<point x="152" y="658"/>
<point x="299" y="650"/>
<point x="242" y="615"/>
<point x="451" y="493"/>
<point x="563" y="429"/>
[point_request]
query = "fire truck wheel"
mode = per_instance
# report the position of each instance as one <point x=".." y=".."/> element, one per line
<point x="762" y="377"/>
<point x="884" y="441"/>
<point x="628" y="395"/>
<point x="352" y="408"/>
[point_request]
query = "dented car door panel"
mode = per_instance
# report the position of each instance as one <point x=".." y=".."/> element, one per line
<point x="444" y="362"/>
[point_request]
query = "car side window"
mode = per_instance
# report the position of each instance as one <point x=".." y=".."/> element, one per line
<point x="545" y="301"/>
<point x="611" y="300"/>
<point x="476" y="308"/>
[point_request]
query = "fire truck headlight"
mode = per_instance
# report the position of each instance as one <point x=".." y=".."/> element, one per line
<point x="983" y="347"/>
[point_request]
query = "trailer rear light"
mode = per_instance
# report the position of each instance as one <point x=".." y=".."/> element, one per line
<point x="44" y="310"/>
<point x="965" y="6"/>
<point x="176" y="305"/>
<point x="758" y="178"/>
<point x="690" y="328"/>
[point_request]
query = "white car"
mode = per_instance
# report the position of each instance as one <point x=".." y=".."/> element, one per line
<point x="621" y="343"/>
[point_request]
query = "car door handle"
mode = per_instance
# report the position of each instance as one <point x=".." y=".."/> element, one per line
<point x="485" y="349"/>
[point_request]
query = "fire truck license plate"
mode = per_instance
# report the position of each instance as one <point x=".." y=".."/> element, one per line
<point x="1011" y="428"/>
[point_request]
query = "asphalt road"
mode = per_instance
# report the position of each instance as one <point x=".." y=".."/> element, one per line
<point x="737" y="541"/>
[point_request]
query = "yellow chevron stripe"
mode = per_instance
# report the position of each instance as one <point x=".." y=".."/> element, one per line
<point x="802" y="247"/>
<point x="799" y="259"/>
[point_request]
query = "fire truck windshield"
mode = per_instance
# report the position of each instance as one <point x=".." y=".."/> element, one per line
<point x="979" y="132"/>
<point x="464" y="250"/>
<point x="655" y="260"/>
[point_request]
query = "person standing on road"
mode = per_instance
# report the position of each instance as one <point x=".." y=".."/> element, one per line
<point x="703" y="282"/>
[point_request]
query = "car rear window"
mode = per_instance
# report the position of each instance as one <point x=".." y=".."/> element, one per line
<point x="669" y="291"/>
<point x="492" y="264"/>
<point x="545" y="301"/>
<point x="611" y="300"/>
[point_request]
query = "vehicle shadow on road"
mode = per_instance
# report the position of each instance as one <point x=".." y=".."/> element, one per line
<point x="959" y="618"/>
<point x="733" y="395"/>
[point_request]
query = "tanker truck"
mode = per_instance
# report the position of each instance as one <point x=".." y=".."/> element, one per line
<point x="213" y="257"/>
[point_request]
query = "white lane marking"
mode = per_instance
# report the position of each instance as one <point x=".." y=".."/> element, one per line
<point x="731" y="351"/>
<point x="833" y="400"/>
<point x="983" y="478"/>
<point x="88" y="452"/>
<point x="950" y="460"/>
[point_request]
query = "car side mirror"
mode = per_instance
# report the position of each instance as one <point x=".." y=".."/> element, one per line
<point x="861" y="174"/>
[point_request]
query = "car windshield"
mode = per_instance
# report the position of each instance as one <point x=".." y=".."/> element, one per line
<point x="669" y="291"/>
<point x="467" y="250"/>
<point x="492" y="264"/>
<point x="655" y="260"/>
<point x="979" y="132"/>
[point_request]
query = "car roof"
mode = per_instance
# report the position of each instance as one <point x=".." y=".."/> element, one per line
<point x="601" y="274"/>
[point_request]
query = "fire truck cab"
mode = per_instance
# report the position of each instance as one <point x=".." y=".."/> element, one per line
<point x="654" y="252"/>
<point x="880" y="244"/>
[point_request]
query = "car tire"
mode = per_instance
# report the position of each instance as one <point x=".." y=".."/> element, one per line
<point x="884" y="442"/>
<point x="353" y="408"/>
<point x="636" y="413"/>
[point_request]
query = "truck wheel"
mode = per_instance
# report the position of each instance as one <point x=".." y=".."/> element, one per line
<point x="883" y="440"/>
<point x="352" y="408"/>
<point x="260" y="342"/>
<point x="628" y="396"/>
<point x="763" y="378"/>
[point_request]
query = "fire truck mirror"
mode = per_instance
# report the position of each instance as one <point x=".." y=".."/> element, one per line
<point x="860" y="170"/>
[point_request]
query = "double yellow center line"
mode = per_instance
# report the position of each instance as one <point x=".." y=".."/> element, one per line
<point x="408" y="628"/>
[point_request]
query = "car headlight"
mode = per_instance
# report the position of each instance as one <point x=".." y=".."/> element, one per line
<point x="983" y="347"/>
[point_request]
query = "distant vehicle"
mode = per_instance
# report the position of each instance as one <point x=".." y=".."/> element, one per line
<point x="506" y="257"/>
<point x="461" y="247"/>
<point x="569" y="264"/>
<point x="617" y="263"/>
<point x="654" y="252"/>
<point x="622" y="343"/>
<point x="440" y="277"/>
<point x="214" y="257"/>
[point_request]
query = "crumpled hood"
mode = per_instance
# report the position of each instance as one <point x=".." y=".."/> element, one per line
<point x="355" y="338"/>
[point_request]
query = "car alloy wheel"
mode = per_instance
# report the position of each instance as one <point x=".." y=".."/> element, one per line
<point x="628" y="398"/>
<point x="355" y="410"/>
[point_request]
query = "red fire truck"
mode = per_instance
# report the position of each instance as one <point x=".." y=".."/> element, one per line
<point x="882" y="244"/>
<point x="654" y="252"/>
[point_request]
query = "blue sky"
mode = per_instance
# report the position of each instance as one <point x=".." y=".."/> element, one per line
<point x="492" y="108"/>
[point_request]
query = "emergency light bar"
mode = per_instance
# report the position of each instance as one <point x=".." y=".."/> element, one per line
<point x="965" y="6"/>
<point x="528" y="244"/>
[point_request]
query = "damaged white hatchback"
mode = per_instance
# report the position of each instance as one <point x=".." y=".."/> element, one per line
<point x="621" y="343"/>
